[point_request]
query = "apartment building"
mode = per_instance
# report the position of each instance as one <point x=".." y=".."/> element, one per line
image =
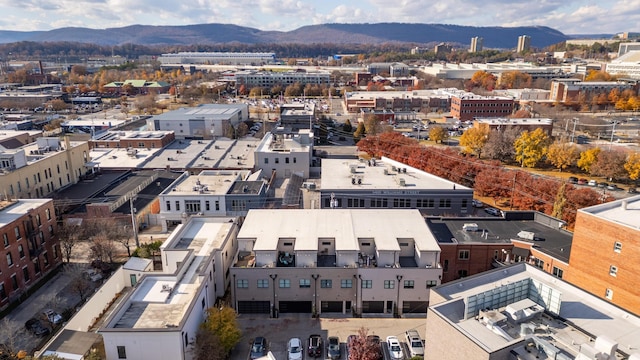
<point x="521" y="312"/>
<point x="160" y="316"/>
<point x="30" y="247"/>
<point x="605" y="252"/>
<point x="467" y="106"/>
<point x="391" y="101"/>
<point x="389" y="184"/>
<point x="268" y="79"/>
<point x="359" y="261"/>
<point x="476" y="44"/>
<point x="38" y="169"/>
<point x="285" y="154"/>
<point x="524" y="43"/>
<point x="210" y="193"/>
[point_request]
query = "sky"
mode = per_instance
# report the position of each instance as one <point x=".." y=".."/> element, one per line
<point x="567" y="16"/>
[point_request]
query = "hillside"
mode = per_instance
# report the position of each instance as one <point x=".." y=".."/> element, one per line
<point x="418" y="34"/>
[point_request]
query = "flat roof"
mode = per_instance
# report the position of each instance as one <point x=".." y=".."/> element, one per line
<point x="346" y="226"/>
<point x="556" y="243"/>
<point x="131" y="135"/>
<point x="203" y="112"/>
<point x="162" y="300"/>
<point x="337" y="174"/>
<point x="272" y="142"/>
<point x="582" y="316"/>
<point x="180" y="154"/>
<point x="120" y="158"/>
<point x="20" y="207"/>
<point x="207" y="182"/>
<point x="625" y="211"/>
<point x="515" y="121"/>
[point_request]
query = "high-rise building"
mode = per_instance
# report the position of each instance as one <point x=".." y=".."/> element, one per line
<point x="524" y="43"/>
<point x="476" y="44"/>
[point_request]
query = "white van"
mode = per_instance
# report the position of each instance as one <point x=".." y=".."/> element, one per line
<point x="414" y="343"/>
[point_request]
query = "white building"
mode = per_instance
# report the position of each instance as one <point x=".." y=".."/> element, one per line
<point x="627" y="65"/>
<point x="268" y="79"/>
<point x="223" y="58"/>
<point x="285" y="154"/>
<point x="200" y="122"/>
<point x="389" y="184"/>
<point x="335" y="261"/>
<point x="160" y="317"/>
<point x="210" y="193"/>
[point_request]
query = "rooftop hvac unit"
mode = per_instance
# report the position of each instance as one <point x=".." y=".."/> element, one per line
<point x="402" y="182"/>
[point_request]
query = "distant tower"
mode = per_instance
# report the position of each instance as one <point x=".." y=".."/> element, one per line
<point x="524" y="43"/>
<point x="476" y="44"/>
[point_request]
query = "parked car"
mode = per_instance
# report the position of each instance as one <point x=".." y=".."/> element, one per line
<point x="315" y="345"/>
<point x="374" y="340"/>
<point x="395" y="350"/>
<point x="603" y="185"/>
<point x="582" y="181"/>
<point x="52" y="316"/>
<point x="592" y="183"/>
<point x="333" y="349"/>
<point x="492" y="211"/>
<point x="572" y="179"/>
<point x="258" y="348"/>
<point x="294" y="349"/>
<point x="414" y="343"/>
<point x="36" y="328"/>
<point x="613" y="187"/>
<point x="632" y="190"/>
<point x="477" y="203"/>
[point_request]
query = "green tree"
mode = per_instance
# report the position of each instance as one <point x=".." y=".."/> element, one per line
<point x="588" y="158"/>
<point x="530" y="147"/>
<point x="562" y="154"/>
<point x="632" y="165"/>
<point x="222" y="323"/>
<point x="474" y="140"/>
<point x="438" y="134"/>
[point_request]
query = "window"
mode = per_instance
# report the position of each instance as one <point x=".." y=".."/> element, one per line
<point x="192" y="206"/>
<point x="55" y="251"/>
<point x="425" y="203"/>
<point x="539" y="263"/>
<point x="238" y="205"/>
<point x="45" y="259"/>
<point x="401" y="203"/>
<point x="263" y="284"/>
<point x="557" y="272"/>
<point x="41" y="236"/>
<point x="366" y="284"/>
<point x="51" y="230"/>
<point x="266" y="160"/>
<point x="277" y="160"/>
<point x="177" y="205"/>
<point x="168" y="203"/>
<point x="445" y="265"/>
<point x="608" y="294"/>
<point x="462" y="273"/>
<point x="294" y="160"/>
<point x="217" y="205"/>
<point x="325" y="283"/>
<point x="445" y="204"/>
<point x="5" y="240"/>
<point x="431" y="283"/>
<point x="613" y="270"/>
<point x="463" y="255"/>
<point x="122" y="353"/>
<point x="286" y="160"/>
<point x="409" y="284"/>
<point x="207" y="206"/>
<point x="36" y="266"/>
<point x="389" y="284"/>
<point x="17" y="231"/>
<point x="14" y="282"/>
<point x="355" y="203"/>
<point x="9" y="259"/>
<point x="25" y="273"/>
<point x="38" y="221"/>
<point x="242" y="283"/>
<point x="464" y="203"/>
<point x="305" y="283"/>
<point x="21" y="251"/>
<point x="3" y="292"/>
<point x="285" y="283"/>
<point x="379" y="203"/>
<point x="617" y="247"/>
<point x="346" y="283"/>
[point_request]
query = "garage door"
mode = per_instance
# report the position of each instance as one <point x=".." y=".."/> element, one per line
<point x="295" y="307"/>
<point x="373" y="307"/>
<point x="410" y="307"/>
<point x="331" y="306"/>
<point x="254" y="307"/>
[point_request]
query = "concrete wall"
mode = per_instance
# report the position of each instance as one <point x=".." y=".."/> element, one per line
<point x="145" y="345"/>
<point x="444" y="342"/>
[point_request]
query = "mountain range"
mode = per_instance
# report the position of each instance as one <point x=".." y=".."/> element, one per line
<point x="379" y="33"/>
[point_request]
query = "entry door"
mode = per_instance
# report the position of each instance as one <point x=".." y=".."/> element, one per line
<point x="134" y="279"/>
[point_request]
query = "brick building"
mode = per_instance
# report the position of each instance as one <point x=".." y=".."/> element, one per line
<point x="569" y="90"/>
<point x="30" y="248"/>
<point x="605" y="256"/>
<point x="467" y="106"/>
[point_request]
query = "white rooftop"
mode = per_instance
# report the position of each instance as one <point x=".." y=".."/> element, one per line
<point x="208" y="182"/>
<point x="120" y="158"/>
<point x="625" y="211"/>
<point x="337" y="174"/>
<point x="180" y="154"/>
<point x="346" y="226"/>
<point x="14" y="211"/>
<point x="515" y="121"/>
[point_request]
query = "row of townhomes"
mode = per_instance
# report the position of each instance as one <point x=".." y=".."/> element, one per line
<point x="274" y="230"/>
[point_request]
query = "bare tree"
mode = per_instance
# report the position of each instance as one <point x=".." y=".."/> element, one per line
<point x="207" y="346"/>
<point x="79" y="282"/>
<point x="70" y="235"/>
<point x="10" y="333"/>
<point x="499" y="145"/>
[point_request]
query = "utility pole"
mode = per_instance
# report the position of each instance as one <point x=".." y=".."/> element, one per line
<point x="133" y="222"/>
<point x="513" y="190"/>
<point x="612" y="132"/>
<point x="573" y="133"/>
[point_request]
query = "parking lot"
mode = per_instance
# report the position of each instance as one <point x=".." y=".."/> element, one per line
<point x="279" y="331"/>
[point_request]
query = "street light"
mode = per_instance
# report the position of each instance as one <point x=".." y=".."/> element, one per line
<point x="399" y="277"/>
<point x="315" y="293"/>
<point x="273" y="307"/>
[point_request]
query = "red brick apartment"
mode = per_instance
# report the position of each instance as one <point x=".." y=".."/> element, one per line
<point x="469" y="106"/>
<point x="29" y="248"/>
<point x="605" y="256"/>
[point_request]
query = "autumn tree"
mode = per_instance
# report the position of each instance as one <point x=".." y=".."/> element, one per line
<point x="482" y="79"/>
<point x="530" y="147"/>
<point x="473" y="140"/>
<point x="360" y="132"/>
<point x="559" y="203"/>
<point x="610" y="164"/>
<point x="438" y="134"/>
<point x="222" y="322"/>
<point x="372" y="125"/>
<point x="598" y="75"/>
<point x="632" y="165"/>
<point x="588" y="158"/>
<point x="207" y="346"/>
<point x="515" y="80"/>
<point x="562" y="154"/>
<point x="363" y="347"/>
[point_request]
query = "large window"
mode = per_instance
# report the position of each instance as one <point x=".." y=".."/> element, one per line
<point x="242" y="283"/>
<point x="355" y="203"/>
<point x="389" y="284"/>
<point x="366" y="284"/>
<point x="238" y="205"/>
<point x="25" y="274"/>
<point x="445" y="204"/>
<point x="463" y="255"/>
<point x="379" y="203"/>
<point x="192" y="206"/>
<point x="557" y="272"/>
<point x="346" y="283"/>
<point x="122" y="353"/>
<point x="401" y="203"/>
<point x="263" y="283"/>
<point x="409" y="284"/>
<point x="21" y="251"/>
<point x="425" y="203"/>
<point x="305" y="283"/>
<point x="326" y="283"/>
<point x="431" y="283"/>
<point x="285" y="283"/>
<point x="17" y="231"/>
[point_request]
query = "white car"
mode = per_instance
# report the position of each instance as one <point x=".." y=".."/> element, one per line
<point x="395" y="350"/>
<point x="52" y="316"/>
<point x="477" y="203"/>
<point x="294" y="349"/>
